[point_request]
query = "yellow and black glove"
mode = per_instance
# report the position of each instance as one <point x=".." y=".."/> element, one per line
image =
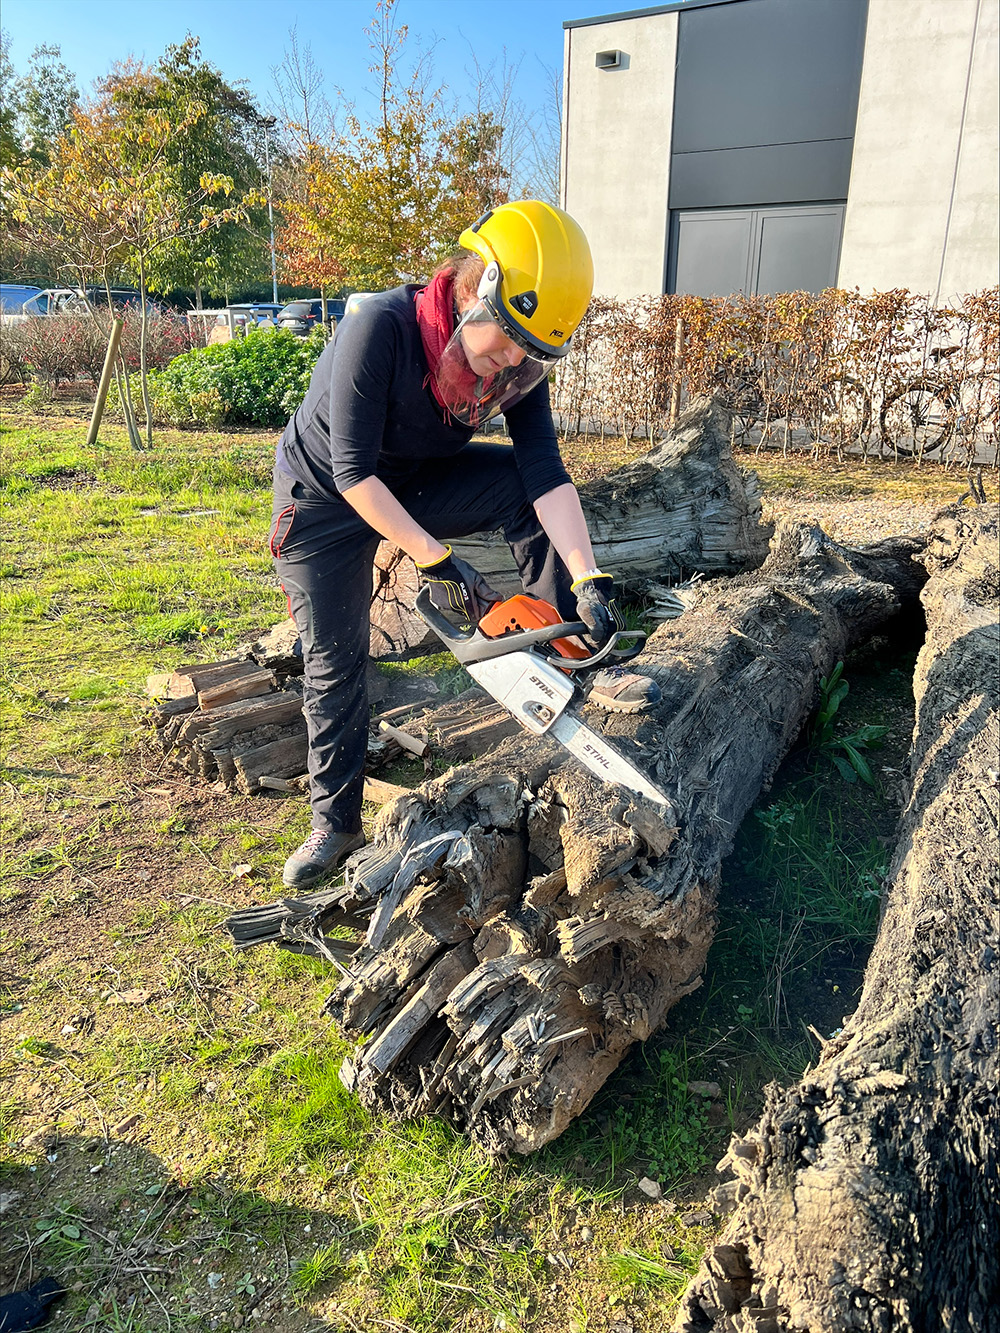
<point x="596" y="606"/>
<point x="457" y="590"/>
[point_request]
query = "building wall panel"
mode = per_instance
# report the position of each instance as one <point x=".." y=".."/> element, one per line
<point x="922" y="201"/>
<point x="616" y="148"/>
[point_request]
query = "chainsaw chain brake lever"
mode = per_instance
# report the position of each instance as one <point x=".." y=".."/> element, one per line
<point x="469" y="645"/>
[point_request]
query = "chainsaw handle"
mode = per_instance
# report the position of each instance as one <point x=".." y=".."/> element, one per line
<point x="610" y="650"/>
<point x="471" y="646"/>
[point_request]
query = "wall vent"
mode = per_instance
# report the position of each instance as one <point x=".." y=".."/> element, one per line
<point x="608" y="59"/>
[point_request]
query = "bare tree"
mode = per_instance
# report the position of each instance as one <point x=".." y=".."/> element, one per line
<point x="300" y="101"/>
<point x="545" y="147"/>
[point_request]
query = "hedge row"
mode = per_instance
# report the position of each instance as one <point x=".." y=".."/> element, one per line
<point x="68" y="347"/>
<point x="886" y="372"/>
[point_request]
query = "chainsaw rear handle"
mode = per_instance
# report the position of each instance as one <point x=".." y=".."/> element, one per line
<point x="471" y="646"/>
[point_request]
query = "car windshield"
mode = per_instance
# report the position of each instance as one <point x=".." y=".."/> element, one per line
<point x="297" y="309"/>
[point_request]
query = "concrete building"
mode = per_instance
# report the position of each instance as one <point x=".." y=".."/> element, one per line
<point x="715" y="146"/>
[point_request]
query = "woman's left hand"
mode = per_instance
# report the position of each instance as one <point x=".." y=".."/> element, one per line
<point x="597" y="608"/>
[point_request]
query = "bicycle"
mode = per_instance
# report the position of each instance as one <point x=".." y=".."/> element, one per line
<point x="922" y="416"/>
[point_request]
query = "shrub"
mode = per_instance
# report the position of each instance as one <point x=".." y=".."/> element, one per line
<point x="258" y="380"/>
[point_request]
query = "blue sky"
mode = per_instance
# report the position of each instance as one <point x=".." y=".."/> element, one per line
<point x="245" y="38"/>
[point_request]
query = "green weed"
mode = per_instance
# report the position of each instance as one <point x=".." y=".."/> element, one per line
<point x="643" y="1272"/>
<point x="647" y="1118"/>
<point x="846" y="753"/>
<point x="321" y="1267"/>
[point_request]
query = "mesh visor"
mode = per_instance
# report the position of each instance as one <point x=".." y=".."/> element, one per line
<point x="487" y="367"/>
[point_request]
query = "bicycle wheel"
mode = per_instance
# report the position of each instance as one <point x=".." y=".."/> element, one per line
<point x="917" y="419"/>
<point x="845" y="412"/>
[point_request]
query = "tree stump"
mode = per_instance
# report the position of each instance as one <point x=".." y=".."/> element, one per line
<point x="530" y="923"/>
<point x="867" y="1194"/>
<point x="683" y="507"/>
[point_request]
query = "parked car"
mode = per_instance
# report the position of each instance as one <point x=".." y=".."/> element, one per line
<point x="13" y="296"/>
<point x="301" y="317"/>
<point x="355" y="299"/>
<point x="236" y="319"/>
<point x="76" y="301"/>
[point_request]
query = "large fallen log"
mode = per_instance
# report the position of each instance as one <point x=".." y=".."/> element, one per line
<point x="868" y="1193"/>
<point x="530" y="924"/>
<point x="685" y="506"/>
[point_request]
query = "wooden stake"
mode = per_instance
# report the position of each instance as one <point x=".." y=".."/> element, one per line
<point x="102" y="389"/>
<point x="675" y="392"/>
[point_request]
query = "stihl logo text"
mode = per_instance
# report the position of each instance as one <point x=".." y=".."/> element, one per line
<point x="545" y="689"/>
<point x="596" y="754"/>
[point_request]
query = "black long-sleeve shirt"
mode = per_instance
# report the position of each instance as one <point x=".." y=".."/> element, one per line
<point x="369" y="411"/>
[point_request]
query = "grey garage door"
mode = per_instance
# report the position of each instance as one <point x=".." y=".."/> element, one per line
<point x="719" y="251"/>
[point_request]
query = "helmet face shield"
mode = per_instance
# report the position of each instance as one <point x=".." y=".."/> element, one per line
<point x="487" y="366"/>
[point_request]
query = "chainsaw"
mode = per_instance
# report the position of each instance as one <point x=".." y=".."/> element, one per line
<point x="526" y="658"/>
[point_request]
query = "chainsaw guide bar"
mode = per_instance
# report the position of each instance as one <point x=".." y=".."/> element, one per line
<point x="541" y="695"/>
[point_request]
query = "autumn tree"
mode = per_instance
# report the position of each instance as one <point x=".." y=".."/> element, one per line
<point x="113" y="196"/>
<point x="378" y="195"/>
<point x="224" y="138"/>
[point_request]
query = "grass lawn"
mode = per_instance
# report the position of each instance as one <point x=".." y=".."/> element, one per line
<point x="178" y="1148"/>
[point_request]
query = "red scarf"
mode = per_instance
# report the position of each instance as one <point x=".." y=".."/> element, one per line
<point x="455" y="383"/>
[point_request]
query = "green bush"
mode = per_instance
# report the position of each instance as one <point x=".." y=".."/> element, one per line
<point x="258" y="380"/>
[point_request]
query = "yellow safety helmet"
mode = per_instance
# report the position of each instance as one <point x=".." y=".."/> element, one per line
<point x="539" y="274"/>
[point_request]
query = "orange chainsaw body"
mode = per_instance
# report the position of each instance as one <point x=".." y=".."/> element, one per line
<point x="523" y="612"/>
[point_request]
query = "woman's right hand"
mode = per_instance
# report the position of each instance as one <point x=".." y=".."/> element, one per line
<point x="457" y="589"/>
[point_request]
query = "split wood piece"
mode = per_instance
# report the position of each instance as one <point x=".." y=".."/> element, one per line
<point x="867" y="1195"/>
<point x="380" y="793"/>
<point x="279" y="649"/>
<point x="589" y="911"/>
<point x="248" y="686"/>
<point x="468" y="725"/>
<point x="297" y="784"/>
<point x="203" y="675"/>
<point x="161" y="713"/>
<point x="404" y="740"/>
<point x="223" y="726"/>
<point x="248" y="714"/>
<point x="402" y="709"/>
<point x="683" y="506"/>
<point x="158" y="684"/>
<point x="282" y="758"/>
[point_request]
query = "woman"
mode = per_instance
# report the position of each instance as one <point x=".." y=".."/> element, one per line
<point x="381" y="448"/>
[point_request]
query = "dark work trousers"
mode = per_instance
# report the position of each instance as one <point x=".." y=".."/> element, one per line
<point x="324" y="552"/>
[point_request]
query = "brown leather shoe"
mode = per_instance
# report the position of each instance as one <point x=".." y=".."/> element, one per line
<point x="618" y="690"/>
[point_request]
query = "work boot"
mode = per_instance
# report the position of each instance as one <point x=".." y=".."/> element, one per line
<point x="321" y="852"/>
<point x="618" y="690"/>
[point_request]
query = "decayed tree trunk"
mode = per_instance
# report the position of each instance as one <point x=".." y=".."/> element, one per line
<point x="684" y="506"/>
<point x="530" y="923"/>
<point x="867" y="1194"/>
